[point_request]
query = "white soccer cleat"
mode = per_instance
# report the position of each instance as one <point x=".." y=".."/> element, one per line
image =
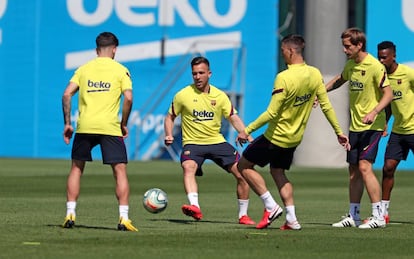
<point x="347" y="221"/>
<point x="373" y="222"/>
<point x="291" y="226"/>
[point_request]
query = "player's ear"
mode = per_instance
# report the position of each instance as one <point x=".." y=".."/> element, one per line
<point x="359" y="44"/>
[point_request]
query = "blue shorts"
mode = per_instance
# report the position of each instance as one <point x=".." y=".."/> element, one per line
<point x="364" y="146"/>
<point x="262" y="152"/>
<point x="112" y="147"/>
<point x="398" y="146"/>
<point x="223" y="154"/>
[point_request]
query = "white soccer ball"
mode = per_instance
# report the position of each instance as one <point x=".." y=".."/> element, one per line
<point x="155" y="200"/>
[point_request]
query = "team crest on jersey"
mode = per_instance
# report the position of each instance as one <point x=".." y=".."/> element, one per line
<point x="363" y="72"/>
<point x="399" y="81"/>
<point x="213" y="102"/>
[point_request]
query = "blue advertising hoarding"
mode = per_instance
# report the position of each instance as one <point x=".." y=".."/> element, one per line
<point x="43" y="42"/>
<point x="391" y="20"/>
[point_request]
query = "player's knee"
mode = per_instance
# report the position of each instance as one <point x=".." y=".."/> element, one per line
<point x="389" y="168"/>
<point x="388" y="171"/>
<point x="243" y="164"/>
<point x="189" y="166"/>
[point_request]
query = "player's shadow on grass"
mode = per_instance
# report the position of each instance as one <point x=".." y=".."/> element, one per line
<point x="401" y="222"/>
<point x="191" y="221"/>
<point x="317" y="223"/>
<point x="86" y="227"/>
<point x="392" y="222"/>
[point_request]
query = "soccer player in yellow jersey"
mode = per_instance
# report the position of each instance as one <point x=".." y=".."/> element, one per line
<point x="202" y="107"/>
<point x="401" y="140"/>
<point x="287" y="114"/>
<point x="369" y="94"/>
<point x="100" y="83"/>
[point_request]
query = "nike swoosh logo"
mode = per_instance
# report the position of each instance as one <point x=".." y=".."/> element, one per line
<point x="365" y="148"/>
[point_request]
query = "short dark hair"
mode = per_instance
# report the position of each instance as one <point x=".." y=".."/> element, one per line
<point x="106" y="39"/>
<point x="199" y="60"/>
<point x="387" y="45"/>
<point x="296" y="40"/>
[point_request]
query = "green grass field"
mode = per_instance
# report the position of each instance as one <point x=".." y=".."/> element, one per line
<point x="32" y="207"/>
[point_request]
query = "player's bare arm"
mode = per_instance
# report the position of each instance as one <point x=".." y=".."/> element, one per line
<point x="386" y="99"/>
<point x="335" y="83"/>
<point x="126" y="111"/>
<point x="239" y="126"/>
<point x="242" y="138"/>
<point x="168" y="129"/>
<point x="70" y="90"/>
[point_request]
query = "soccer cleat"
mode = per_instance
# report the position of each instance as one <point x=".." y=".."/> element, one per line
<point x="246" y="220"/>
<point x="126" y="225"/>
<point x="192" y="211"/>
<point x="347" y="221"/>
<point x="387" y="219"/>
<point x="69" y="221"/>
<point x="269" y="217"/>
<point x="373" y="222"/>
<point x="291" y="226"/>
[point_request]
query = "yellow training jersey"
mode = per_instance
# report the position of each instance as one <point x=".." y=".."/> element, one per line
<point x="101" y="82"/>
<point x="365" y="82"/>
<point x="402" y="84"/>
<point x="201" y="114"/>
<point x="289" y="109"/>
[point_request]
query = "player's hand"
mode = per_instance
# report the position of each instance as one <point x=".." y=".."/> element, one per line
<point x="67" y="133"/>
<point x="369" y="118"/>
<point x="168" y="140"/>
<point x="385" y="132"/>
<point x="344" y="141"/>
<point x="250" y="138"/>
<point x="242" y="138"/>
<point x="125" y="131"/>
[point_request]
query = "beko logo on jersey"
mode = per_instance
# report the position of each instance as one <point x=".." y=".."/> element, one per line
<point x="99" y="86"/>
<point x="356" y="86"/>
<point x="397" y="95"/>
<point x="203" y="115"/>
<point x="299" y="100"/>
